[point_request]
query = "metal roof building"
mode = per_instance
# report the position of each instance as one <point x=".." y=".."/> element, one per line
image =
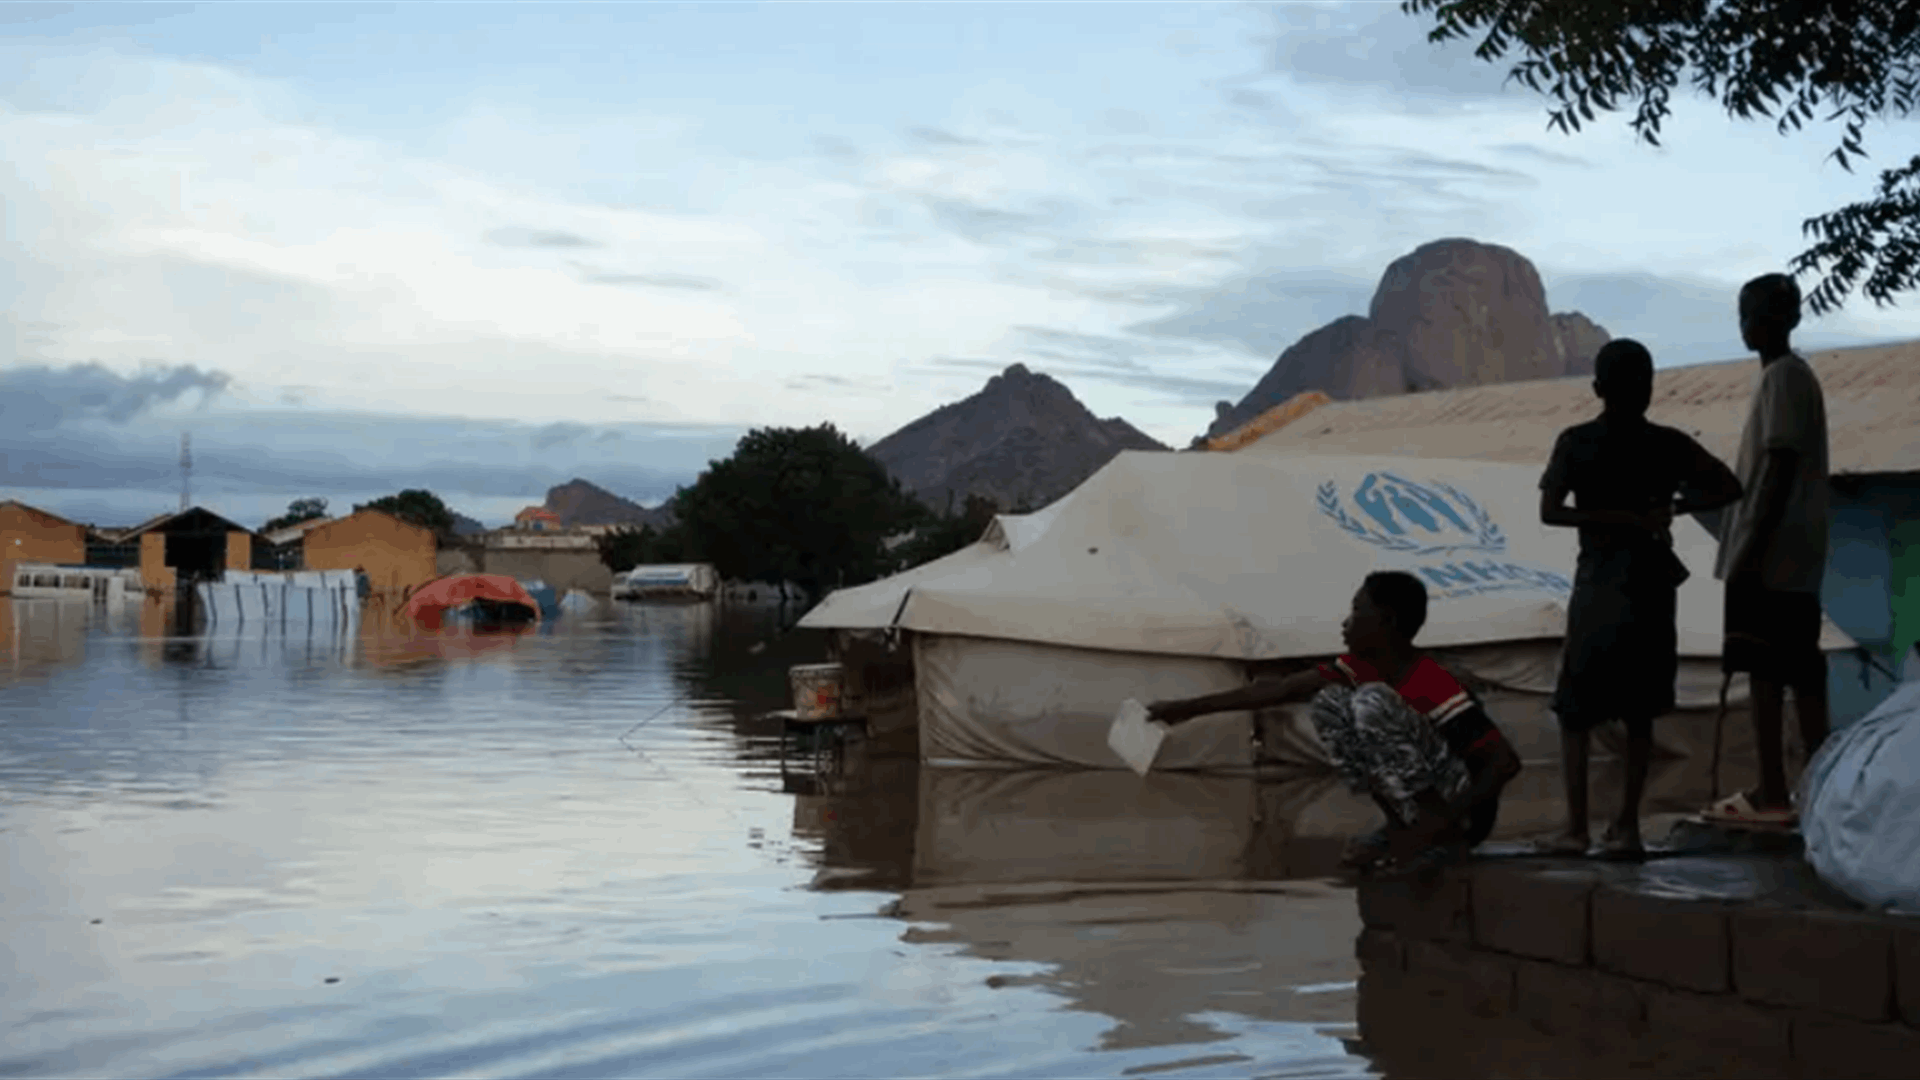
<point x="1872" y="393"/>
<point x="1872" y="588"/>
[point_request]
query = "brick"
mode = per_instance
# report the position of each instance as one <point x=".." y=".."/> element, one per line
<point x="1481" y="983"/>
<point x="1670" y="940"/>
<point x="1418" y="909"/>
<point x="1906" y="973"/>
<point x="1718" y="1025"/>
<point x="1823" y="1046"/>
<point x="1825" y="961"/>
<point x="1572" y="1001"/>
<point x="1533" y="912"/>
<point x="1379" y="950"/>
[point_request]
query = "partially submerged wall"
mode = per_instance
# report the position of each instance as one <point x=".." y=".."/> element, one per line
<point x="1746" y="963"/>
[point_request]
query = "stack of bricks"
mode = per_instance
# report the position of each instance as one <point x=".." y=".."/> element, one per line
<point x="1756" y="973"/>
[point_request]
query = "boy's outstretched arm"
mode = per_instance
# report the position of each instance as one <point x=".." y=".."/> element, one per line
<point x="1259" y="694"/>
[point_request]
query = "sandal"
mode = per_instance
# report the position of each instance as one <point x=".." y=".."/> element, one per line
<point x="1615" y="848"/>
<point x="1738" y="809"/>
<point x="1563" y="847"/>
<point x="1424" y="861"/>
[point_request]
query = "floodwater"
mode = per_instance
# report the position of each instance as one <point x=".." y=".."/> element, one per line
<point x="579" y="853"/>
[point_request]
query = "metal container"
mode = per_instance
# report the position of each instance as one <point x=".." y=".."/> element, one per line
<point x="816" y="691"/>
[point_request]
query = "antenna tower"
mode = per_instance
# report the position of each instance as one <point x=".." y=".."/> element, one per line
<point x="186" y="471"/>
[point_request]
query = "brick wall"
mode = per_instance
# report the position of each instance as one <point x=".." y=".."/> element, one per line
<point x="1750" y="970"/>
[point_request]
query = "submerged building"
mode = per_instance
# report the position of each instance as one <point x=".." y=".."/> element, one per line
<point x="31" y="535"/>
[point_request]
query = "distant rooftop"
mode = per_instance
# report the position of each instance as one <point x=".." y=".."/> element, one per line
<point x="1872" y="397"/>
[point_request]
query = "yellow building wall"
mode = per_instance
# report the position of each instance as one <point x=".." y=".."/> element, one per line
<point x="155" y="574"/>
<point x="395" y="555"/>
<point x="239" y="551"/>
<point x="28" y="535"/>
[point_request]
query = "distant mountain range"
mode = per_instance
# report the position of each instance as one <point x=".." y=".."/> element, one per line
<point x="1450" y="313"/>
<point x="581" y="502"/>
<point x="1022" y="440"/>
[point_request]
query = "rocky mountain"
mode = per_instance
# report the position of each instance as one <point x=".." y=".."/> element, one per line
<point x="1024" y="438"/>
<point x="1451" y="313"/>
<point x="466" y="526"/>
<point x="580" y="502"/>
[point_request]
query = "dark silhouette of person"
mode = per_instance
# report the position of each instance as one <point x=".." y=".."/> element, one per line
<point x="1621" y="656"/>
<point x="1773" y="549"/>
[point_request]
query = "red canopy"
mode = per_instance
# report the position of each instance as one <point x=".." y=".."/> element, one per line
<point x="435" y="597"/>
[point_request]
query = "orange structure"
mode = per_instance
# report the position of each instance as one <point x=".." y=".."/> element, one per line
<point x="1270" y="421"/>
<point x="397" y="556"/>
<point x="427" y="606"/>
<point x="28" y="534"/>
<point x="537" y="519"/>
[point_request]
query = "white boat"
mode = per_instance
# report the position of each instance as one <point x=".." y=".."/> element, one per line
<point x="45" y="581"/>
<point x="687" y="580"/>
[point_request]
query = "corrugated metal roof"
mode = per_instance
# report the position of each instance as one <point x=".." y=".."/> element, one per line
<point x="296" y="530"/>
<point x="1872" y="396"/>
<point x="1272" y="420"/>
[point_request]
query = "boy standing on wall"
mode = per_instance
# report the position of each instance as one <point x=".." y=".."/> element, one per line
<point x="1773" y="550"/>
<point x="1622" y="651"/>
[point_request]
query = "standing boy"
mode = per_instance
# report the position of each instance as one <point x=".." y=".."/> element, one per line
<point x="1773" y="549"/>
<point x="1398" y="727"/>
<point x="1622" y="656"/>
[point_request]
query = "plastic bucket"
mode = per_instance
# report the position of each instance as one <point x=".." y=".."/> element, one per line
<point x="816" y="691"/>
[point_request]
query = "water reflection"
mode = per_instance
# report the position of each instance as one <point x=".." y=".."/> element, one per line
<point x="571" y="852"/>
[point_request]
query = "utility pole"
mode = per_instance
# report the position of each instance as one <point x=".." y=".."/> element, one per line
<point x="186" y="470"/>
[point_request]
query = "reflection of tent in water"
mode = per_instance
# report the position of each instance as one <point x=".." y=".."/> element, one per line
<point x="482" y="598"/>
<point x="1169" y="575"/>
<point x="1153" y="900"/>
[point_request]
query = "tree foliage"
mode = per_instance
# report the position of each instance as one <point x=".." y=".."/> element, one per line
<point x="623" y="549"/>
<point x="418" y="506"/>
<point x="805" y="505"/>
<point x="1784" y="60"/>
<point x="298" y="510"/>
<point x="948" y="532"/>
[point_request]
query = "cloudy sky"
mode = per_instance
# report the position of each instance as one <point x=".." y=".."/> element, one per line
<point x="485" y="248"/>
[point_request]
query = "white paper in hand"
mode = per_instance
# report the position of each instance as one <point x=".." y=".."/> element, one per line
<point x="1135" y="738"/>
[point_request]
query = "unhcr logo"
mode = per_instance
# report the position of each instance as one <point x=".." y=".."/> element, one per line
<point x="1399" y="515"/>
<point x="1422" y="520"/>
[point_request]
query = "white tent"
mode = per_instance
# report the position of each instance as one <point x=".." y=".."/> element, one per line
<point x="1164" y="575"/>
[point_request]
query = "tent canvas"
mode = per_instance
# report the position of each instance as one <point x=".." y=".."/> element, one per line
<point x="1164" y="575"/>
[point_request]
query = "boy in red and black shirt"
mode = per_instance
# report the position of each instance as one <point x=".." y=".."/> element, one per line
<point x="1398" y="727"/>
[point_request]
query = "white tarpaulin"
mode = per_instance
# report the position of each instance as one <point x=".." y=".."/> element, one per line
<point x="1861" y="810"/>
<point x="309" y="600"/>
<point x="1164" y="573"/>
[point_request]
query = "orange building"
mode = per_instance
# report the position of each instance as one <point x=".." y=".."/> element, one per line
<point x="537" y="519"/>
<point x="28" y="534"/>
<point x="395" y="555"/>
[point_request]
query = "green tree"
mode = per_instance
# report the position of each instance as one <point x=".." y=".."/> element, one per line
<point x="1784" y="60"/>
<point x="948" y="532"/>
<point x="298" y="510"/>
<point x="805" y="505"/>
<point x="623" y="549"/>
<point x="422" y="508"/>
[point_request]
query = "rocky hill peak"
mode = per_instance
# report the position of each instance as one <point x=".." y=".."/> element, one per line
<point x="1024" y="438"/>
<point x="1454" y="312"/>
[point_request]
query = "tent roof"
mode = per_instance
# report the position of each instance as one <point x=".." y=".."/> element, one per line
<point x="1872" y="396"/>
<point x="1251" y="557"/>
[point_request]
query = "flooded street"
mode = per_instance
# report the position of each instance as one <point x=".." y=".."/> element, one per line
<point x="282" y="855"/>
